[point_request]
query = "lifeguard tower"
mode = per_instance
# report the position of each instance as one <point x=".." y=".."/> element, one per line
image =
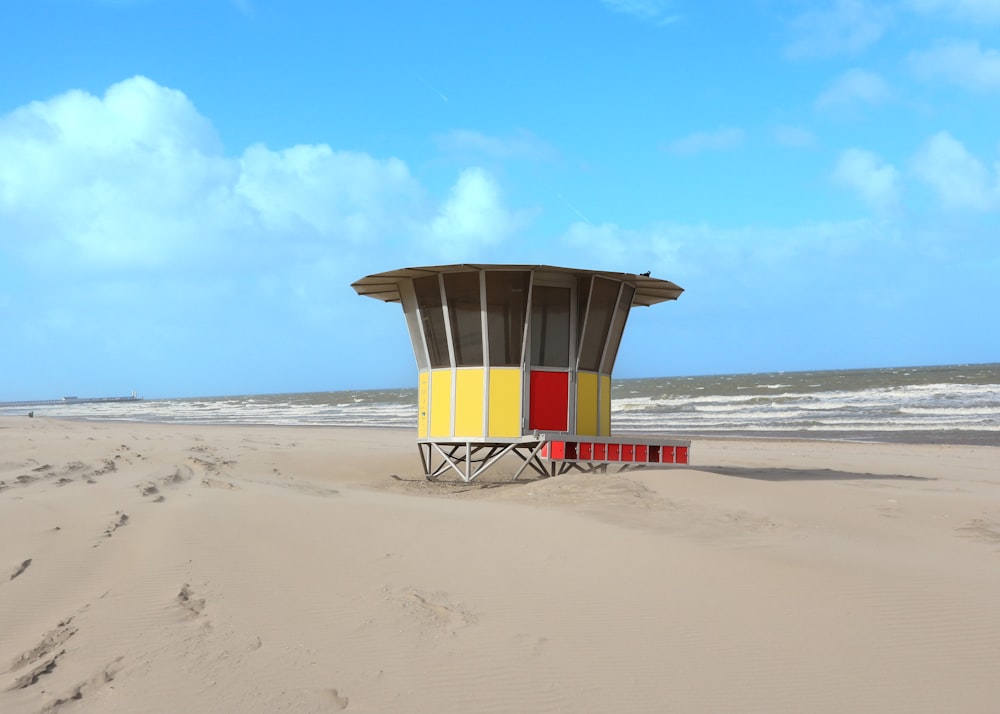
<point x="517" y="359"/>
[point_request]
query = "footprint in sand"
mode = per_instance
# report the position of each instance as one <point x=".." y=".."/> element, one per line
<point x="50" y="641"/>
<point x="194" y="606"/>
<point x="103" y="676"/>
<point x="125" y="453"/>
<point x="109" y="466"/>
<point x="21" y="568"/>
<point x="982" y="530"/>
<point x="31" y="678"/>
<point x="121" y="521"/>
<point x="210" y="463"/>
<point x="434" y="609"/>
<point x="340" y="702"/>
<point x="216" y="483"/>
<point x="180" y="474"/>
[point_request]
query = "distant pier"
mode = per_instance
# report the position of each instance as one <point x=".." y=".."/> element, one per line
<point x="70" y="400"/>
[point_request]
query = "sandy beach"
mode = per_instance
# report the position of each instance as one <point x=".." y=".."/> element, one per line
<point x="156" y="568"/>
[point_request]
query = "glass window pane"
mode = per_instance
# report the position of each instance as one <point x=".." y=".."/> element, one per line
<point x="409" y="301"/>
<point x="601" y="310"/>
<point x="462" y="291"/>
<point x="582" y="296"/>
<point x="506" y="297"/>
<point x="617" y="328"/>
<point x="432" y="319"/>
<point x="550" y="326"/>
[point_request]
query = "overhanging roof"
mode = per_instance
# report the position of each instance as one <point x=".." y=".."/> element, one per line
<point x="385" y="286"/>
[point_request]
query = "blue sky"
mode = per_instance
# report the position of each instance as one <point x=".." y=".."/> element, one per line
<point x="188" y="187"/>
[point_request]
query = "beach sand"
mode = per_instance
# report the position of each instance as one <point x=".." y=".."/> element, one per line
<point x="162" y="568"/>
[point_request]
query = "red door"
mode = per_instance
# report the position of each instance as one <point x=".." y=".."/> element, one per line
<point x="549" y="401"/>
<point x="551" y="334"/>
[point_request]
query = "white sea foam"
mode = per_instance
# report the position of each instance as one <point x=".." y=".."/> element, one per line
<point x="881" y="407"/>
<point x="860" y="401"/>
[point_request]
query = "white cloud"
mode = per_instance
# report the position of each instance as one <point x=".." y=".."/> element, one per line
<point x="852" y="88"/>
<point x="845" y="28"/>
<point x="962" y="63"/>
<point x="474" y="216"/>
<point x="314" y="189"/>
<point x="657" y="12"/>
<point x="960" y="179"/>
<point x="974" y="10"/>
<point x="722" y="261"/>
<point x="137" y="180"/>
<point x="128" y="178"/>
<point x="877" y="182"/>
<point x="521" y="144"/>
<point x="656" y="248"/>
<point x="702" y="141"/>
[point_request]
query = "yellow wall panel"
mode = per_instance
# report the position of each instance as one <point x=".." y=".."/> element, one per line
<point x="586" y="403"/>
<point x="441" y="402"/>
<point x="422" y="406"/>
<point x="469" y="386"/>
<point x="505" y="402"/>
<point x="604" y="417"/>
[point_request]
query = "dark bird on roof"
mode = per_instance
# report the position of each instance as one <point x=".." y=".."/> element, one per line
<point x="646" y="274"/>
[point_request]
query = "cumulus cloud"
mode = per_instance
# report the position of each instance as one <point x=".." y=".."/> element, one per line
<point x="120" y="179"/>
<point x="960" y="179"/>
<point x="657" y="12"/>
<point x="875" y="181"/>
<point x="973" y="10"/>
<point x="702" y="141"/>
<point x="717" y="260"/>
<point x="474" y="216"/>
<point x="658" y="248"/>
<point x="762" y="286"/>
<point x="137" y="179"/>
<point x="312" y="189"/>
<point x="961" y="63"/>
<point x="853" y="88"/>
<point x="845" y="28"/>
<point x="614" y="241"/>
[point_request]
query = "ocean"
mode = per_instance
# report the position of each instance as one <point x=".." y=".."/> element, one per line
<point x="950" y="404"/>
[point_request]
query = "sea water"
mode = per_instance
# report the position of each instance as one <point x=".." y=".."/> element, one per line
<point x="957" y="403"/>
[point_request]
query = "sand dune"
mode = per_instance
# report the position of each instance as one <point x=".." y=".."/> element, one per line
<point x="256" y="569"/>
